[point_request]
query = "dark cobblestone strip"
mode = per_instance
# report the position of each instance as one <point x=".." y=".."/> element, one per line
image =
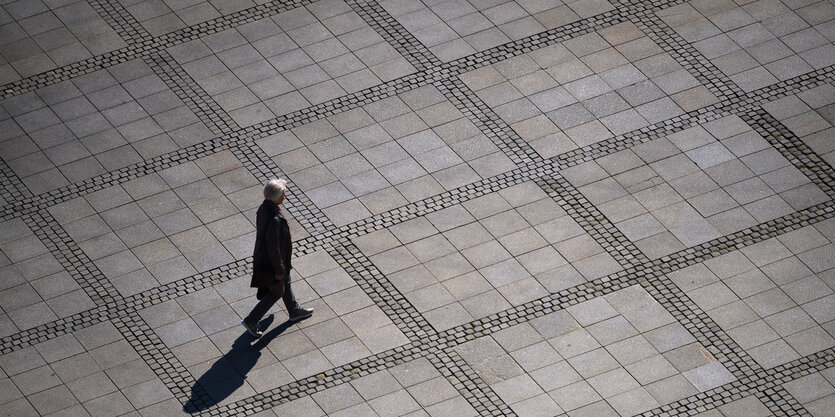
<point x="332" y="107"/>
<point x="52" y="329"/>
<point x="254" y="159"/>
<point x="591" y="220"/>
<point x="792" y="86"/>
<point x="46" y="200"/>
<point x="704" y="401"/>
<point x="162" y="361"/>
<point x="801" y="367"/>
<point x="530" y="43"/>
<point x="467" y="382"/>
<point x="394" y="33"/>
<point x="444" y="200"/>
<point x="320" y="382"/>
<point x="67" y="72"/>
<point x="381" y="291"/>
<point x="121" y="21"/>
<point x="793" y="149"/>
<point x="486" y="120"/>
<point x="229" y="21"/>
<point x="780" y="402"/>
<point x="743" y="238"/>
<point x="538" y="308"/>
<point x="187" y="285"/>
<point x="645" y="134"/>
<point x="195" y="98"/>
<point x="694" y="117"/>
<point x="761" y="386"/>
<point x="11" y="187"/>
<point x="60" y="245"/>
<point x="701" y="326"/>
<point x="687" y="56"/>
<point x="450" y="365"/>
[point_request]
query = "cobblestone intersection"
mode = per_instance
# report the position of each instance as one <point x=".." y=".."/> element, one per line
<point x="527" y="207"/>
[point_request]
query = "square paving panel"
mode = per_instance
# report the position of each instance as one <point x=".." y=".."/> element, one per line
<point x="471" y="260"/>
<point x="93" y="124"/>
<point x="622" y="352"/>
<point x="203" y="330"/>
<point x="34" y="287"/>
<point x="694" y="186"/>
<point x="40" y="36"/>
<point x="773" y="298"/>
<point x="165" y="226"/>
<point x="759" y="43"/>
<point x="386" y="154"/>
<point x="585" y="90"/>
<point x="295" y="59"/>
<point x="453" y="29"/>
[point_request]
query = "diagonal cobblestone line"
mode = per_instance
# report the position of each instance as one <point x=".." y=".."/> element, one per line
<point x="769" y="385"/>
<point x="394" y="33"/>
<point x="13" y="188"/>
<point x="694" y="62"/>
<point x="203" y="106"/>
<point x="122" y="21"/>
<point x="444" y="342"/>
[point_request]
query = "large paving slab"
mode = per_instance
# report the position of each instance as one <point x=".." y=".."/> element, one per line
<point x="528" y="207"/>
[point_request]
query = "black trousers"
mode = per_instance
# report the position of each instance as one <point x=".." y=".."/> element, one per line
<point x="281" y="289"/>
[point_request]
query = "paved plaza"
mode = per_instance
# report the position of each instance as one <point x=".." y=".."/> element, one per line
<point x="527" y="207"/>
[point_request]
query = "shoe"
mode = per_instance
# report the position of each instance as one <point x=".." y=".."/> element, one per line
<point x="252" y="329"/>
<point x="301" y="313"/>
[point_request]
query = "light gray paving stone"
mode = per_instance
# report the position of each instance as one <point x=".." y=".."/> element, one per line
<point x="623" y="352"/>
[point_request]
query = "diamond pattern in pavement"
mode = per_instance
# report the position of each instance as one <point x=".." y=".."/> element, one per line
<point x="529" y="207"/>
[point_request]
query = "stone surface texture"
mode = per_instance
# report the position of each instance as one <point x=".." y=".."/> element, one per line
<point x="523" y="207"/>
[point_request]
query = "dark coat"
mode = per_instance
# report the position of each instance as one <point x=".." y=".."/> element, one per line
<point x="273" y="246"/>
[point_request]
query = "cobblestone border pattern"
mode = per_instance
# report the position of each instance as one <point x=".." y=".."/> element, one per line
<point x="121" y="21"/>
<point x="11" y="187"/>
<point x="394" y="33"/>
<point x="486" y="120"/>
<point x="177" y="378"/>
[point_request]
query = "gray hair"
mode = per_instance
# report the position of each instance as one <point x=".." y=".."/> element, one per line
<point x="274" y="189"/>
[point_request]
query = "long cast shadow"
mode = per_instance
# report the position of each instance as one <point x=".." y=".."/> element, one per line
<point x="227" y="374"/>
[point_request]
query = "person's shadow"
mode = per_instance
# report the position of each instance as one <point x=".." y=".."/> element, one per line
<point x="227" y="374"/>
